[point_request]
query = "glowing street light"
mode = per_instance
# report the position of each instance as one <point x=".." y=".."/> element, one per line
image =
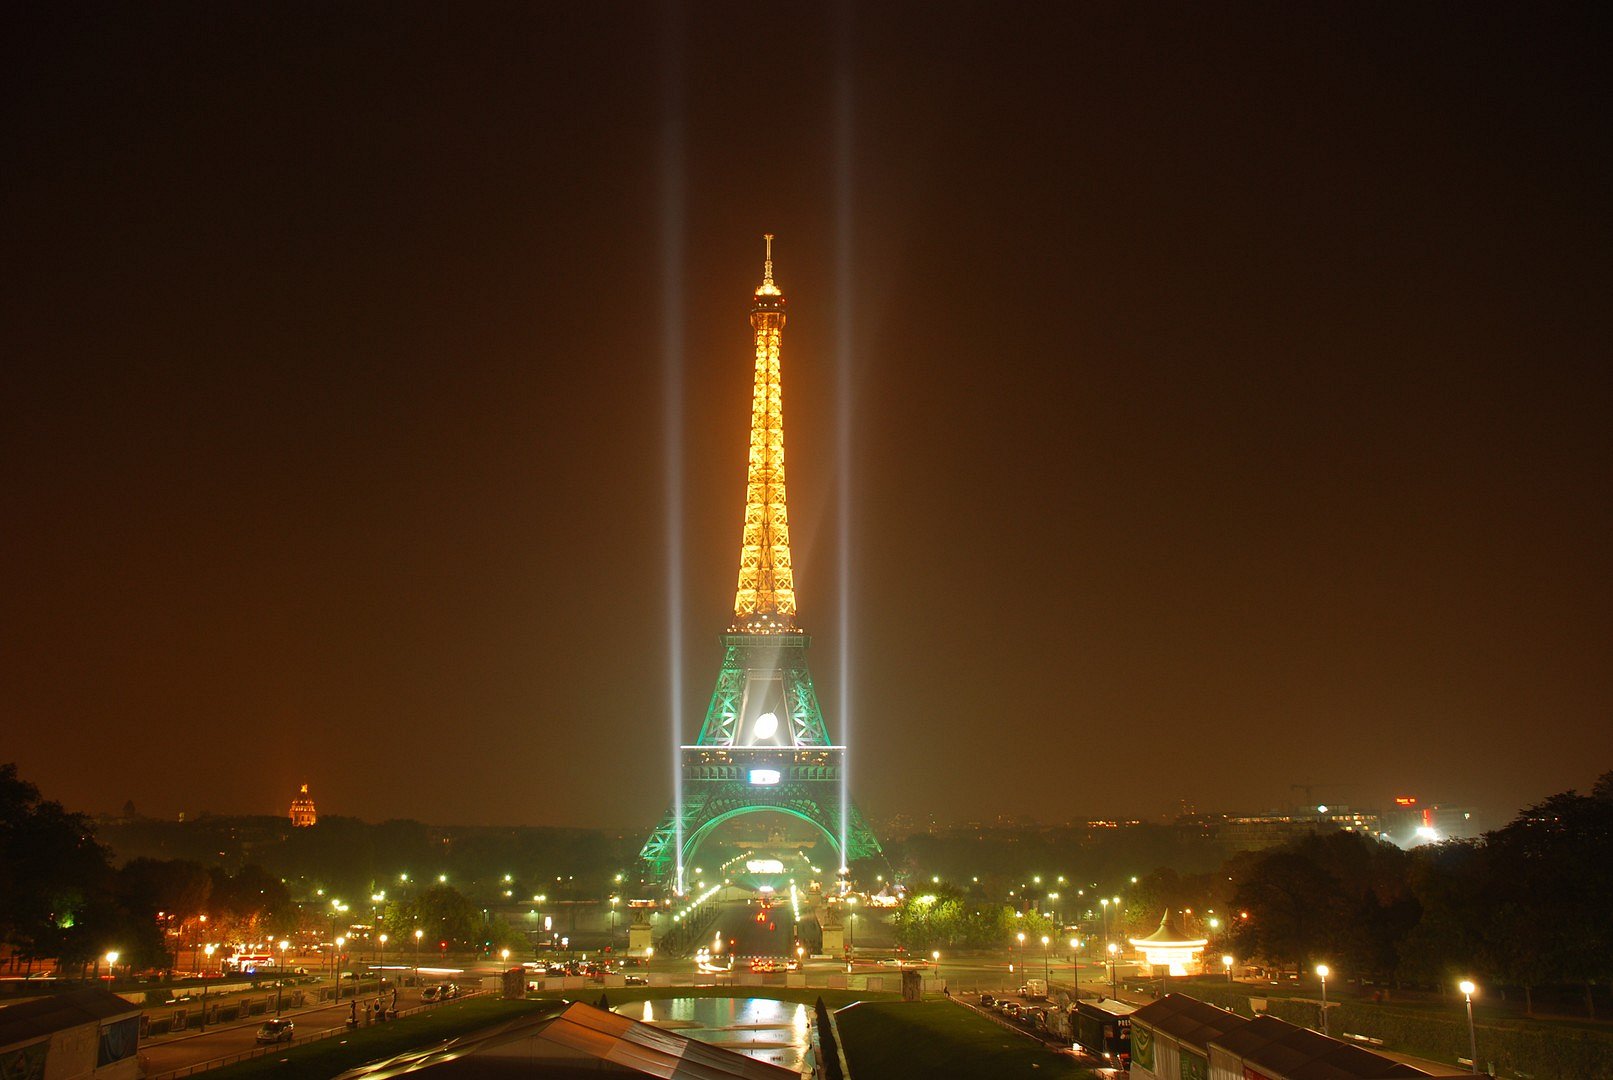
<point x="280" y="975"/>
<point x="1112" y="949"/>
<point x="1468" y="990"/>
<point x="1226" y="962"/>
<point x="208" y="949"/>
<point x="1047" y="971"/>
<point x="1321" y="973"/>
<point x="1021" y="936"/>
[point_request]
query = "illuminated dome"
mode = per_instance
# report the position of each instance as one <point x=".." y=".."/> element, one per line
<point x="1170" y="946"/>
<point x="302" y="809"/>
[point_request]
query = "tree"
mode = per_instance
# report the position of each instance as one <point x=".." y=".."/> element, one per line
<point x="54" y="874"/>
<point x="1285" y="909"/>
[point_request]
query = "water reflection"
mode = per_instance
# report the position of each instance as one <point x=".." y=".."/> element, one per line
<point x="769" y="1030"/>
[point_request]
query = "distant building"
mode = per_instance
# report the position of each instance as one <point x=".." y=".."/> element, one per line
<point x="1412" y="823"/>
<point x="86" y="1033"/>
<point x="302" y="809"/>
<point x="1252" y="832"/>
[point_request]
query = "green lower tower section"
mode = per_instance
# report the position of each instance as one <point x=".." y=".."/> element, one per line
<point x="763" y="746"/>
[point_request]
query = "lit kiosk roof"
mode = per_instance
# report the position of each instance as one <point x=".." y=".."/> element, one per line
<point x="1170" y="947"/>
<point x="1170" y="933"/>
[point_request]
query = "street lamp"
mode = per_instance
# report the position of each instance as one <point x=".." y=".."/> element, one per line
<point x="1321" y="973"/>
<point x="111" y="965"/>
<point x="208" y="949"/>
<point x="280" y="976"/>
<point x="1468" y="989"/>
<point x="1047" y="972"/>
<point x="418" y="934"/>
<point x="1075" y="966"/>
<point x="1226" y="962"/>
<point x="380" y="983"/>
<point x="1112" y="949"/>
<point x="935" y="954"/>
<point x="1021" y="937"/>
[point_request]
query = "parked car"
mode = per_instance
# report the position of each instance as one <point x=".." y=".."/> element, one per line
<point x="987" y="1001"/>
<point x="276" y="1031"/>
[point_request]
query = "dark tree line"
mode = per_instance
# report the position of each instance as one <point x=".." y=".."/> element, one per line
<point x="63" y="899"/>
<point x="1526" y="906"/>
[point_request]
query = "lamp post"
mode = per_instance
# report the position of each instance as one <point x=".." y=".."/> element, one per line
<point x="380" y="982"/>
<point x="208" y="949"/>
<point x="111" y="965"/>
<point x="1226" y="962"/>
<point x="1111" y="949"/>
<point x="1021" y="936"/>
<point x="1321" y="973"/>
<point x="1104" y="904"/>
<point x="418" y="934"/>
<point x="1047" y="971"/>
<point x="1467" y="988"/>
<point x="1075" y="966"/>
<point x="280" y="976"/>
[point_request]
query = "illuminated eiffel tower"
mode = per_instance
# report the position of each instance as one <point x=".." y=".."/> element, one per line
<point x="764" y="745"/>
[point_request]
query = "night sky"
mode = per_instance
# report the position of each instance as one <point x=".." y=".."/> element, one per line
<point x="1228" y="402"/>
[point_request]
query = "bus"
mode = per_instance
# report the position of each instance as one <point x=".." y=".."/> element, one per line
<point x="247" y="963"/>
<point x="1103" y="1029"/>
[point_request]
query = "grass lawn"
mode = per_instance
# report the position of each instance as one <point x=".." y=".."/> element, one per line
<point x="892" y="1040"/>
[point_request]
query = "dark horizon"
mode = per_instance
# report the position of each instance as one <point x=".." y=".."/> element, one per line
<point x="1229" y="407"/>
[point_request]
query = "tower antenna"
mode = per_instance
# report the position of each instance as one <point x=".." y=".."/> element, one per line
<point x="767" y="266"/>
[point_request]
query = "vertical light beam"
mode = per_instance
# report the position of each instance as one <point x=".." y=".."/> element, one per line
<point x="672" y="346"/>
<point x="844" y="148"/>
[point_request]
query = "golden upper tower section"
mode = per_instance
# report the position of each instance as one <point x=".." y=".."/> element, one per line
<point x="765" y="599"/>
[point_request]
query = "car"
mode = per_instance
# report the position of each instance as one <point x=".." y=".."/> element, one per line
<point x="987" y="1001"/>
<point x="431" y="993"/>
<point x="635" y="980"/>
<point x="277" y="1031"/>
<point x="450" y="990"/>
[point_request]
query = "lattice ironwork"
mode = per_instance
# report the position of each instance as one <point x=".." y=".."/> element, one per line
<point x="764" y="745"/>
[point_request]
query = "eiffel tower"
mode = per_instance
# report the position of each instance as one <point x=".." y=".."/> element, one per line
<point x="764" y="745"/>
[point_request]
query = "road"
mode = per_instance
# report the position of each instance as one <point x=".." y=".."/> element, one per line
<point x="166" y="1055"/>
<point x="746" y="935"/>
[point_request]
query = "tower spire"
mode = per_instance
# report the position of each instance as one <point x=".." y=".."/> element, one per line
<point x="764" y="602"/>
<point x="767" y="288"/>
